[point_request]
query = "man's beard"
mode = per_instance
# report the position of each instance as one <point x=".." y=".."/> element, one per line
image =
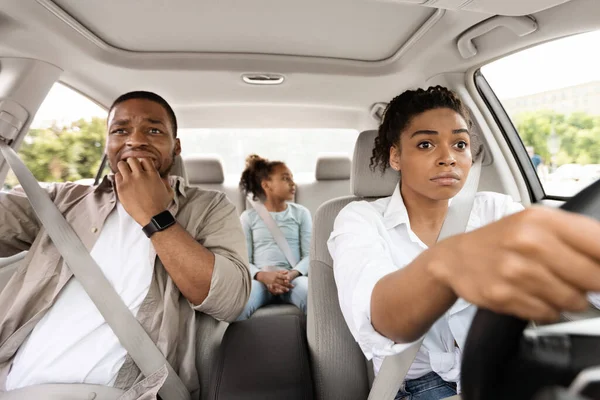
<point x="165" y="172"/>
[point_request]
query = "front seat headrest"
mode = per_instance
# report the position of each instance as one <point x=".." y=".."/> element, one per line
<point x="366" y="182"/>
<point x="204" y="170"/>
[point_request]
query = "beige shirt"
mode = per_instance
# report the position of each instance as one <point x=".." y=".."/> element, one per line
<point x="165" y="313"/>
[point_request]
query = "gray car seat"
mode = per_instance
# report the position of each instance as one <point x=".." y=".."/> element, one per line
<point x="263" y="359"/>
<point x="340" y="370"/>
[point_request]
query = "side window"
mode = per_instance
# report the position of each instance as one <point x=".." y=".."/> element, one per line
<point x="552" y="95"/>
<point x="66" y="139"/>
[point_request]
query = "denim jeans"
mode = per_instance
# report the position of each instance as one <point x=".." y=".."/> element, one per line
<point x="260" y="296"/>
<point x="428" y="387"/>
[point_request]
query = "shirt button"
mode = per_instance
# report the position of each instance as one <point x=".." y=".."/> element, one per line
<point x="94" y="230"/>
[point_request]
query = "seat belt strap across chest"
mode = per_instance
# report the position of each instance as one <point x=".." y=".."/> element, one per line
<point x="277" y="234"/>
<point x="394" y="368"/>
<point x="128" y="330"/>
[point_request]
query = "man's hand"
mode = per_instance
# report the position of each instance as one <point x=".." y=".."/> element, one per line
<point x="141" y="190"/>
<point x="533" y="264"/>
<point x="277" y="282"/>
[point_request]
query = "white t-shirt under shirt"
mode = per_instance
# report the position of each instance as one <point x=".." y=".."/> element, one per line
<point x="371" y="240"/>
<point x="72" y="343"/>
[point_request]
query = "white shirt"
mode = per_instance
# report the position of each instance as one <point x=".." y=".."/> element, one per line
<point x="72" y="343"/>
<point x="371" y="240"/>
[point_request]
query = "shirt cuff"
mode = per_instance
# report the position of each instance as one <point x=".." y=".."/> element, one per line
<point x="229" y="290"/>
<point x="253" y="270"/>
<point x="302" y="266"/>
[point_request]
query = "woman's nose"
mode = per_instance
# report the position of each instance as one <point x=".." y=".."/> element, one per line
<point x="447" y="158"/>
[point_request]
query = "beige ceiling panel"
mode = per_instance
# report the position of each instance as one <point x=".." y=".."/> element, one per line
<point x="370" y="31"/>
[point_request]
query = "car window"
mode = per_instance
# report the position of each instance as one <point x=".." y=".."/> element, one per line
<point x="552" y="94"/>
<point x="298" y="148"/>
<point x="65" y="140"/>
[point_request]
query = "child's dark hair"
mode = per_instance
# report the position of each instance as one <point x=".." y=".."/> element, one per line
<point x="257" y="170"/>
<point x="400" y="111"/>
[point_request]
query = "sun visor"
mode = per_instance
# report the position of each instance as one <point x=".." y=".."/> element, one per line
<point x="493" y="7"/>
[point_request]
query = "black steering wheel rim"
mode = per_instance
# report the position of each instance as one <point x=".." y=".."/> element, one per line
<point x="500" y="364"/>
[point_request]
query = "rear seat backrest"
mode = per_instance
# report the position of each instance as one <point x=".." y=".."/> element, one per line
<point x="206" y="172"/>
<point x="332" y="180"/>
<point x="339" y="367"/>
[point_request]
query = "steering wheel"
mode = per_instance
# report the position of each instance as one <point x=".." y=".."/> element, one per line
<point x="499" y="363"/>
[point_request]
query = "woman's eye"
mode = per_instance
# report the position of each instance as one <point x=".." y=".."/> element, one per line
<point x="424" y="145"/>
<point x="462" y="145"/>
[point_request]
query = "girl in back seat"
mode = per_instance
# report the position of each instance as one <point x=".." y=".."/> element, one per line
<point x="271" y="184"/>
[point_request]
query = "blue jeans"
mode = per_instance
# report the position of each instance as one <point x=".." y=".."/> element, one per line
<point x="428" y="387"/>
<point x="260" y="296"/>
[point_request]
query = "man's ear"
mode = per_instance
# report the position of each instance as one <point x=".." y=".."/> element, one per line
<point x="395" y="157"/>
<point x="177" y="150"/>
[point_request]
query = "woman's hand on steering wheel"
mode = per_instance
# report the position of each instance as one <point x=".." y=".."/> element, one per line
<point x="532" y="265"/>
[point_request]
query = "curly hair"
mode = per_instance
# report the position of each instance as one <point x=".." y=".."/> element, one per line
<point x="403" y="108"/>
<point x="257" y="170"/>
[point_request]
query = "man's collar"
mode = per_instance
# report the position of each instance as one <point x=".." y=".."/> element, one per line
<point x="178" y="184"/>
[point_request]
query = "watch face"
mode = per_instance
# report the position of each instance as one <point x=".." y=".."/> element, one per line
<point x="163" y="219"/>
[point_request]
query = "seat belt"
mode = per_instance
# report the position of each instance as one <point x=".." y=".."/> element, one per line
<point x="279" y="237"/>
<point x="394" y="368"/>
<point x="128" y="330"/>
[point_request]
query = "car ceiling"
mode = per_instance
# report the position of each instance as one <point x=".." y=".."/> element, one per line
<point x="338" y="58"/>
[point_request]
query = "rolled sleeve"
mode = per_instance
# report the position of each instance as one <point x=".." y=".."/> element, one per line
<point x="361" y="257"/>
<point x="20" y="225"/>
<point x="222" y="302"/>
<point x="230" y="283"/>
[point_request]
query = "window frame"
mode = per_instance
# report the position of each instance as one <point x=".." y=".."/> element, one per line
<point x="99" y="174"/>
<point x="513" y="139"/>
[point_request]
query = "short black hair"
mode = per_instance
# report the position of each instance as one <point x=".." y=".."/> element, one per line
<point x="401" y="110"/>
<point x="144" y="95"/>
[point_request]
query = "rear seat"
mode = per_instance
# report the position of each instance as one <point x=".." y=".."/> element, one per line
<point x="332" y="180"/>
<point x="206" y="172"/>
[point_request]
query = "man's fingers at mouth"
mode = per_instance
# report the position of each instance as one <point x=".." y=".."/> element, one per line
<point x="124" y="168"/>
<point x="147" y="164"/>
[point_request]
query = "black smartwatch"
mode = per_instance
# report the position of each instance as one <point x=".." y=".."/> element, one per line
<point x="158" y="223"/>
